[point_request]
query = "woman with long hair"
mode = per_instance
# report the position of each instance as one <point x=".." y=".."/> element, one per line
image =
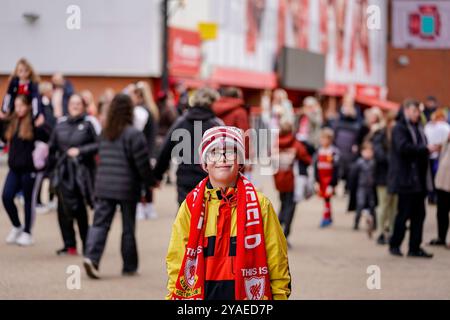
<point x="20" y="136"/>
<point x="145" y="119"/>
<point x="123" y="167"/>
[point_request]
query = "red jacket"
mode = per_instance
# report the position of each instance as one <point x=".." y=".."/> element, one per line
<point x="290" y="150"/>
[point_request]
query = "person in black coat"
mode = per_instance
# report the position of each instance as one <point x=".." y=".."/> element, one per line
<point x="21" y="135"/>
<point x="199" y="117"/>
<point x="123" y="167"/>
<point x="409" y="165"/>
<point x="72" y="146"/>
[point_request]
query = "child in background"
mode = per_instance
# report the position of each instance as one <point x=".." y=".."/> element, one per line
<point x="290" y="150"/>
<point x="326" y="173"/>
<point x="364" y="173"/>
<point x="21" y="135"/>
<point x="23" y="81"/>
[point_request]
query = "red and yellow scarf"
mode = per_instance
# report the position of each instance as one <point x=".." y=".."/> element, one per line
<point x="252" y="280"/>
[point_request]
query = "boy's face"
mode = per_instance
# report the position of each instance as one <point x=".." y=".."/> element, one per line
<point x="222" y="165"/>
<point x="367" y="153"/>
<point x="325" y="141"/>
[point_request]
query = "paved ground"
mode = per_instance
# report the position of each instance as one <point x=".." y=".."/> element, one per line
<point x="325" y="264"/>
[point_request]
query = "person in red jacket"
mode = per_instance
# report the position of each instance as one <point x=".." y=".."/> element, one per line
<point x="326" y="172"/>
<point x="230" y="108"/>
<point x="290" y="150"/>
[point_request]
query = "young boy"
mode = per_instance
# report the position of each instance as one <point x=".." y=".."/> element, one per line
<point x="363" y="174"/>
<point x="326" y="172"/>
<point x="226" y="240"/>
<point x="290" y="150"/>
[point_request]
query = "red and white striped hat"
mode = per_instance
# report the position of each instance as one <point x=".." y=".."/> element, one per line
<point x="224" y="137"/>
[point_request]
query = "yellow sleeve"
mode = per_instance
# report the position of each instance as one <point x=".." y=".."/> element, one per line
<point x="276" y="250"/>
<point x="177" y="245"/>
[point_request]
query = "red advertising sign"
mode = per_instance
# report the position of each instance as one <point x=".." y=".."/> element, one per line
<point x="184" y="52"/>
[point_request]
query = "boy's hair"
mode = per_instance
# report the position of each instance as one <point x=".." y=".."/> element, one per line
<point x="366" y="145"/>
<point x="327" y="133"/>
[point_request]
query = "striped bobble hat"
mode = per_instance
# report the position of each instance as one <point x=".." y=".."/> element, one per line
<point x="224" y="137"/>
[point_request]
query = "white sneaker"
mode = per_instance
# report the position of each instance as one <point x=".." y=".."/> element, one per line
<point x="13" y="235"/>
<point x="41" y="209"/>
<point x="25" y="239"/>
<point x="52" y="205"/>
<point x="140" y="212"/>
<point x="150" y="211"/>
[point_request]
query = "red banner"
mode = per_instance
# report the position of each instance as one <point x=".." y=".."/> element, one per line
<point x="184" y="52"/>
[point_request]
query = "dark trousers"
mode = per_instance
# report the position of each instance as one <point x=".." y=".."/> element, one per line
<point x="287" y="211"/>
<point x="15" y="182"/>
<point x="411" y="206"/>
<point x="98" y="232"/>
<point x="443" y="210"/>
<point x="71" y="207"/>
<point x="365" y="199"/>
<point x="39" y="191"/>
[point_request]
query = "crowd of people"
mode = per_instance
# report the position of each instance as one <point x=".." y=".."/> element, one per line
<point x="114" y="153"/>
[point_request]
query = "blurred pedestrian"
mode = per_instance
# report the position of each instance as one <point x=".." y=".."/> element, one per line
<point x="364" y="173"/>
<point x="23" y="81"/>
<point x="225" y="225"/>
<point x="436" y="131"/>
<point x="103" y="105"/>
<point x="347" y="132"/>
<point x="123" y="167"/>
<point x="326" y="173"/>
<point x="62" y="91"/>
<point x="145" y="119"/>
<point x="88" y="97"/>
<point x="21" y="135"/>
<point x="387" y="201"/>
<point x="230" y="107"/>
<point x="290" y="151"/>
<point x="310" y="122"/>
<point x="442" y="183"/>
<point x="410" y="166"/>
<point x="73" y="146"/>
<point x="168" y="115"/>
<point x="46" y="109"/>
<point x="190" y="125"/>
<point x="277" y="110"/>
<point x="430" y="106"/>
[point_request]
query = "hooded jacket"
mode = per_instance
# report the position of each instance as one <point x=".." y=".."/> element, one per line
<point x="189" y="171"/>
<point x="275" y="243"/>
<point x="232" y="112"/>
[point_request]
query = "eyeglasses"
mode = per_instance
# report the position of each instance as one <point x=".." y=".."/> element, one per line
<point x="216" y="155"/>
